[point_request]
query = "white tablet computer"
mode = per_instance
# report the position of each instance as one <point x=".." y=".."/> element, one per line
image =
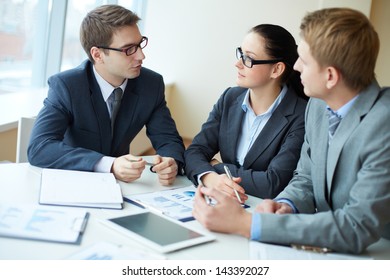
<point x="160" y="233"/>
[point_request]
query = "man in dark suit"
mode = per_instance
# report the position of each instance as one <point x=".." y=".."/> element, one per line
<point x="339" y="197"/>
<point x="85" y="126"/>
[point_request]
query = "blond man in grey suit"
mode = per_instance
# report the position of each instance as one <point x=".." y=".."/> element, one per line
<point x="339" y="197"/>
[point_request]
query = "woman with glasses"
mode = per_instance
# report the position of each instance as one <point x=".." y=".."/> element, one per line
<point x="258" y="126"/>
<point x="93" y="112"/>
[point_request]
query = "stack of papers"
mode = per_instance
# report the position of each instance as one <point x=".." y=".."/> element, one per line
<point x="42" y="223"/>
<point x="175" y="203"/>
<point x="109" y="251"/>
<point x="80" y="188"/>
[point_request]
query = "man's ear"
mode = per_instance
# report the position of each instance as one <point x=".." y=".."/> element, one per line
<point x="96" y="54"/>
<point x="278" y="70"/>
<point x="333" y="76"/>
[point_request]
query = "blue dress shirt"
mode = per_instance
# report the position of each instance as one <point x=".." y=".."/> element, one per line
<point x="253" y="124"/>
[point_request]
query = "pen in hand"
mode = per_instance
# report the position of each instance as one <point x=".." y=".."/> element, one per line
<point x="208" y="200"/>
<point x="229" y="174"/>
<point x="147" y="163"/>
<point x="206" y="197"/>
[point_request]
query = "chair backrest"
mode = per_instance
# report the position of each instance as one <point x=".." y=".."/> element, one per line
<point x="25" y="126"/>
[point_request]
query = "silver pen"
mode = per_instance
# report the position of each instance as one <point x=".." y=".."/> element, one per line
<point x="151" y="165"/>
<point x="147" y="163"/>
<point x="229" y="174"/>
<point x="206" y="197"/>
<point x="208" y="200"/>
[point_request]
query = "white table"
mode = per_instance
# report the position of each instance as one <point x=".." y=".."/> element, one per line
<point x="20" y="183"/>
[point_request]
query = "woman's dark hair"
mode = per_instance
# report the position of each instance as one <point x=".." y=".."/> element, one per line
<point x="279" y="43"/>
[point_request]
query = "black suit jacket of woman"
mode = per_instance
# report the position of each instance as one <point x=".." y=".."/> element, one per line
<point x="272" y="159"/>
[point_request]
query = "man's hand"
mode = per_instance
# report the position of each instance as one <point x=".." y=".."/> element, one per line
<point x="227" y="215"/>
<point x="270" y="206"/>
<point x="128" y="168"/>
<point x="166" y="169"/>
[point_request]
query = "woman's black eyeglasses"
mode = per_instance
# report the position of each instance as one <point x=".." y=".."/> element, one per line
<point x="249" y="62"/>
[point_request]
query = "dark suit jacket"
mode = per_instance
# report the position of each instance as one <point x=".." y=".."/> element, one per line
<point x="270" y="162"/>
<point x="73" y="129"/>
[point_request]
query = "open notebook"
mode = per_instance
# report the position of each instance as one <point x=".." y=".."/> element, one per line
<point x="80" y="188"/>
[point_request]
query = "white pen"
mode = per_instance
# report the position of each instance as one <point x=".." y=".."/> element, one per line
<point x="147" y="163"/>
<point x="206" y="197"/>
<point x="229" y="174"/>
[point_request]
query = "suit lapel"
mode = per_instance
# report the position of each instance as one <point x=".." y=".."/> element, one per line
<point x="320" y="158"/>
<point x="235" y="117"/>
<point x="347" y="125"/>
<point x="273" y="127"/>
<point x="102" y="115"/>
<point x="125" y="115"/>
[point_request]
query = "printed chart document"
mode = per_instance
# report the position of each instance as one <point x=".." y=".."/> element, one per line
<point x="80" y="188"/>
<point x="44" y="223"/>
<point x="109" y="251"/>
<point x="175" y="203"/>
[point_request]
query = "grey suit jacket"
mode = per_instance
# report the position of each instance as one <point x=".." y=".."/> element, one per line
<point x="73" y="129"/>
<point x="270" y="162"/>
<point x="346" y="186"/>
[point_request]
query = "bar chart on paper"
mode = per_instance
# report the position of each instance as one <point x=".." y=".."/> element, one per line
<point x="175" y="203"/>
<point x="42" y="223"/>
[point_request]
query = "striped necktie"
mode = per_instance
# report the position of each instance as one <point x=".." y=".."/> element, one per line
<point x="334" y="121"/>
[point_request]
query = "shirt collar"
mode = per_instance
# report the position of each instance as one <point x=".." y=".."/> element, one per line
<point x="246" y="105"/>
<point x="342" y="111"/>
<point x="105" y="87"/>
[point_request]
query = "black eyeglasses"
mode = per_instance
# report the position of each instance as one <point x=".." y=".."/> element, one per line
<point x="130" y="50"/>
<point x="249" y="62"/>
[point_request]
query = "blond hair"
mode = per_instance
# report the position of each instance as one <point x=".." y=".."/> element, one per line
<point x="345" y="39"/>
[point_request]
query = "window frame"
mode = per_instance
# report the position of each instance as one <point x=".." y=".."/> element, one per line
<point x="48" y="43"/>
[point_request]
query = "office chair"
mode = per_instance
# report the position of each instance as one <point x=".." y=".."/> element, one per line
<point x="25" y="126"/>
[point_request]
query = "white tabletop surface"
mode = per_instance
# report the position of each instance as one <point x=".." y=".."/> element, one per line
<point x="20" y="183"/>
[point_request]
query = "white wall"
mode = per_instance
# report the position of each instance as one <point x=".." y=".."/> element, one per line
<point x="380" y="18"/>
<point x="192" y="44"/>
